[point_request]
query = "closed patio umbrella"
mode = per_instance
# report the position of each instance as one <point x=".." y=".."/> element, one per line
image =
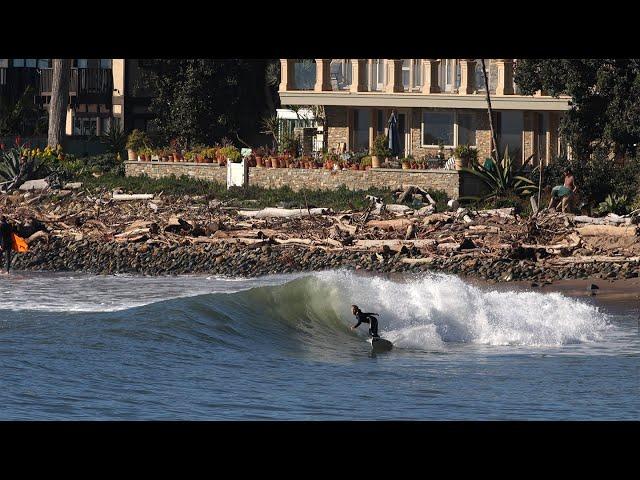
<point x="394" y="137"/>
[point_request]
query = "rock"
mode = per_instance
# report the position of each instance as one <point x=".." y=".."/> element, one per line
<point x="34" y="185"/>
<point x="453" y="204"/>
<point x="73" y="186"/>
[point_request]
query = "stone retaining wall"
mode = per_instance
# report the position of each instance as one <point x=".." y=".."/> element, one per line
<point x="454" y="183"/>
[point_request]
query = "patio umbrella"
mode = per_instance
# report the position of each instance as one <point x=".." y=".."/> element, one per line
<point x="394" y="137"/>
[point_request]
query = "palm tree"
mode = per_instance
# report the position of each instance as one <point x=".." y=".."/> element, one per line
<point x="494" y="139"/>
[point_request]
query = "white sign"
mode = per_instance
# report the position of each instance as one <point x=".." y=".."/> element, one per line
<point x="237" y="174"/>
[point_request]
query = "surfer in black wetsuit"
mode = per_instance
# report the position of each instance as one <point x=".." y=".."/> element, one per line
<point x="6" y="240"/>
<point x="366" y="318"/>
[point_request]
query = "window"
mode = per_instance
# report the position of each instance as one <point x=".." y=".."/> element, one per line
<point x="81" y="63"/>
<point x="380" y="122"/>
<point x="379" y="73"/>
<point x="31" y="62"/>
<point x="466" y="128"/>
<point x="417" y="72"/>
<point x="44" y="63"/>
<point x="361" y="124"/>
<point x="4" y="62"/>
<point x="18" y="62"/>
<point x="105" y="63"/>
<point x="406" y="73"/>
<point x="510" y="127"/>
<point x="85" y="126"/>
<point x="437" y="127"/>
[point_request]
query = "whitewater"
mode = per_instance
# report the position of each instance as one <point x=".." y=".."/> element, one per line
<point x="199" y="347"/>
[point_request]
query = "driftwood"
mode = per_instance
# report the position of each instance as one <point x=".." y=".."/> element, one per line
<point x="135" y="196"/>
<point x="603" y="230"/>
<point x="573" y="241"/>
<point x="281" y="212"/>
<point x="414" y="261"/>
<point x="395" y="245"/>
<point x="592" y="259"/>
<point x="36" y="236"/>
<point x="394" y="224"/>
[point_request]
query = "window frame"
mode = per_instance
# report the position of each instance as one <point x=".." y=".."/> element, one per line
<point x="456" y="130"/>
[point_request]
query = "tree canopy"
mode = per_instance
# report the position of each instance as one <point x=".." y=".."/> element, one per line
<point x="605" y="99"/>
<point x="202" y="100"/>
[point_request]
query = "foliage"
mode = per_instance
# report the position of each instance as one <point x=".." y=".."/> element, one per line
<point x="22" y="116"/>
<point x="614" y="204"/>
<point x="197" y="100"/>
<point x="465" y="152"/>
<point x="366" y="161"/>
<point x="231" y="153"/>
<point x="137" y="140"/>
<point x="596" y="178"/>
<point x="289" y="144"/>
<point x="115" y="140"/>
<point x="340" y="198"/>
<point x="502" y="181"/>
<point x="17" y="165"/>
<point x="381" y="147"/>
<point x="605" y="99"/>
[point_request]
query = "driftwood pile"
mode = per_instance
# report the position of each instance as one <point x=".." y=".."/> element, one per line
<point x="418" y="235"/>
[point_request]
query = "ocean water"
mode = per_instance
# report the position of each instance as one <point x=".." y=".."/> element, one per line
<point x="197" y="347"/>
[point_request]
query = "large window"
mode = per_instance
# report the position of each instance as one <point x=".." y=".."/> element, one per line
<point x="437" y="128"/>
<point x="361" y="124"/>
<point x="450" y="128"/>
<point x="542" y="127"/>
<point x="406" y="73"/>
<point x="510" y="126"/>
<point x="466" y="128"/>
<point x="417" y="72"/>
<point x="18" y="62"/>
<point x="378" y="68"/>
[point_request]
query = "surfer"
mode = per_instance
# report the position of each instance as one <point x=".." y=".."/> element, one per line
<point x="366" y="318"/>
<point x="6" y="234"/>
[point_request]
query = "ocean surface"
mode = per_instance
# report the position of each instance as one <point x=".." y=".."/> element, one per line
<point x="196" y="347"/>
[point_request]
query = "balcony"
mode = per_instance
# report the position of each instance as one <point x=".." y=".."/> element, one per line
<point x="86" y="85"/>
<point x="431" y="83"/>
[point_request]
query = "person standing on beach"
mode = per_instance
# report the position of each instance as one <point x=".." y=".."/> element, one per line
<point x="366" y="318"/>
<point x="6" y="240"/>
<point x="564" y="192"/>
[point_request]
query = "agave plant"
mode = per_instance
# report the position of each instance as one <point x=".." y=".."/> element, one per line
<point x="115" y="140"/>
<point x="16" y="167"/>
<point x="502" y="178"/>
<point x="618" y="204"/>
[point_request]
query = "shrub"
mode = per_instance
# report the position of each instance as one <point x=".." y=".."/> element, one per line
<point x="137" y="140"/>
<point x="596" y="178"/>
<point x="381" y="147"/>
<point x="619" y="205"/>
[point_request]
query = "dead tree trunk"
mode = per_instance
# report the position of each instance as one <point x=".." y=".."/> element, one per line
<point x="59" y="100"/>
<point x="493" y="132"/>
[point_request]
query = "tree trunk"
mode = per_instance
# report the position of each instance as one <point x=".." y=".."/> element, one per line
<point x="493" y="132"/>
<point x="59" y="100"/>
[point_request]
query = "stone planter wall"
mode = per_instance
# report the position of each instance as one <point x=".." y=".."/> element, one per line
<point x="454" y="183"/>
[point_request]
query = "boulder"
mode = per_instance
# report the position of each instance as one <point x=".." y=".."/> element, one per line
<point x="34" y="185"/>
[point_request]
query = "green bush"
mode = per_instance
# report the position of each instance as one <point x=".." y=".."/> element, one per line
<point x="596" y="178"/>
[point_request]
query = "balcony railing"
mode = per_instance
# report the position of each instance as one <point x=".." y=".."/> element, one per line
<point x="86" y="85"/>
<point x="428" y="76"/>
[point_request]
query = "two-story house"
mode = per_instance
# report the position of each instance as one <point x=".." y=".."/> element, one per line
<point x="102" y="92"/>
<point x="439" y="102"/>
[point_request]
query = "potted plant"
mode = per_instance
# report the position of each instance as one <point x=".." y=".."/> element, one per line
<point x="136" y="141"/>
<point x="464" y="156"/>
<point x="405" y="164"/>
<point x="380" y="150"/>
<point x="188" y="156"/>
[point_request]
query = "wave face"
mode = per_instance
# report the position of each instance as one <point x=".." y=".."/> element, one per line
<point x="425" y="313"/>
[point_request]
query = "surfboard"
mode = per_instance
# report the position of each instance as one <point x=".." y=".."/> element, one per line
<point x="381" y="344"/>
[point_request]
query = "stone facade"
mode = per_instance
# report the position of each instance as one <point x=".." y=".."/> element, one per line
<point x="454" y="183"/>
<point x="337" y="126"/>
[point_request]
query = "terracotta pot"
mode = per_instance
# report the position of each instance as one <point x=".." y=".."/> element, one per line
<point x="267" y="162"/>
<point x="375" y="161"/>
<point x="460" y="163"/>
<point x="259" y="162"/>
<point x="131" y="155"/>
<point x="406" y="166"/>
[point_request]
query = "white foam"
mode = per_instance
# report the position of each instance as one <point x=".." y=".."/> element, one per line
<point x="437" y="309"/>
